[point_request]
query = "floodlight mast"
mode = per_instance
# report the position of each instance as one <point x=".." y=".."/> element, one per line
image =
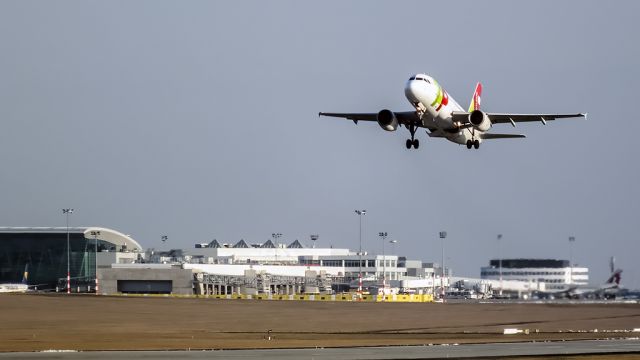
<point x="68" y="212"/>
<point x="95" y="239"/>
<point x="275" y="237"/>
<point x="314" y="238"/>
<point x="500" y="261"/>
<point x="572" y="239"/>
<point x="383" y="236"/>
<point x="393" y="246"/>
<point x="360" y="214"/>
<point x="393" y="252"/>
<point x="443" y="235"/>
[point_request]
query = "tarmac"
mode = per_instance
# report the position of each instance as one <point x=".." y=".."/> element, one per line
<point x="605" y="348"/>
<point x="32" y="322"/>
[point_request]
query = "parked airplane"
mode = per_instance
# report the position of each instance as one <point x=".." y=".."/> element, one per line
<point x="17" y="287"/>
<point x="443" y="117"/>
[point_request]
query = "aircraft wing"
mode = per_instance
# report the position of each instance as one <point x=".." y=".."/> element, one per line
<point x="404" y="117"/>
<point x="497" y="118"/>
<point x="500" y="118"/>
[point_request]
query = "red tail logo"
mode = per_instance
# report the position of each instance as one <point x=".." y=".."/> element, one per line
<point x="475" y="100"/>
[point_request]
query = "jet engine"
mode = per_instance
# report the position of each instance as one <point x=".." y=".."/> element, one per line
<point x="478" y="119"/>
<point x="387" y="120"/>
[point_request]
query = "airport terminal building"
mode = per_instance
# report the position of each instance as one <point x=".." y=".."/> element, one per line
<point x="554" y="274"/>
<point x="46" y="255"/>
<point x="115" y="261"/>
<point x="290" y="260"/>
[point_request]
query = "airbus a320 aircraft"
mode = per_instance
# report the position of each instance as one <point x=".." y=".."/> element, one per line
<point x="443" y="117"/>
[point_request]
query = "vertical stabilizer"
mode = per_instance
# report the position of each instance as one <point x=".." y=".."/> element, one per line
<point x="615" y="278"/>
<point x="25" y="275"/>
<point x="612" y="264"/>
<point x="475" y="100"/>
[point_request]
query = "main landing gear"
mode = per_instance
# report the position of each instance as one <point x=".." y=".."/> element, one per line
<point x="413" y="141"/>
<point x="473" y="143"/>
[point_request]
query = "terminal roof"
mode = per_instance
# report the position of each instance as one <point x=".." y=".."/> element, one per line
<point x="115" y="237"/>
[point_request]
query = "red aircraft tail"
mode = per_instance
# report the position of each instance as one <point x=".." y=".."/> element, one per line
<point x="475" y="100"/>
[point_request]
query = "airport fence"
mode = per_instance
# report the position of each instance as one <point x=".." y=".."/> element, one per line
<point x="350" y="297"/>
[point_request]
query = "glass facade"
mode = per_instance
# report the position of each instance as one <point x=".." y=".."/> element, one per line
<point x="333" y="263"/>
<point x="356" y="263"/>
<point x="529" y="263"/>
<point x="46" y="255"/>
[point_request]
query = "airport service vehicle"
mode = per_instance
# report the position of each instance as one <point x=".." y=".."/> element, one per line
<point x="442" y="117"/>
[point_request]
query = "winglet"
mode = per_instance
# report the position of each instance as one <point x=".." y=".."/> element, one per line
<point x="475" y="100"/>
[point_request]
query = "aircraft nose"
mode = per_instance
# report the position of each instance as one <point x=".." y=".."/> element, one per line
<point x="411" y="90"/>
<point x="422" y="92"/>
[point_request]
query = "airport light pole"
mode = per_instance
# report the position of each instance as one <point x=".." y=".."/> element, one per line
<point x="95" y="240"/>
<point x="275" y="237"/>
<point x="500" y="261"/>
<point x="443" y="235"/>
<point x="572" y="239"/>
<point x="164" y="239"/>
<point x="360" y="214"/>
<point x="383" y="236"/>
<point x="393" y="246"/>
<point x="68" y="212"/>
<point x="393" y="252"/>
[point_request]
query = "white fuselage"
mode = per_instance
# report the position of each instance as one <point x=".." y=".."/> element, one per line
<point x="13" y="288"/>
<point x="435" y="107"/>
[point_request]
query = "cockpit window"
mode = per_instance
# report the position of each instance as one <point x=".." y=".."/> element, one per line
<point x="419" y="78"/>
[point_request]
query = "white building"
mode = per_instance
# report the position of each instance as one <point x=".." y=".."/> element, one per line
<point x="289" y="260"/>
<point x="554" y="274"/>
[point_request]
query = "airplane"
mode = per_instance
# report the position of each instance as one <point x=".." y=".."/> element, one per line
<point x="611" y="288"/>
<point x="442" y="117"/>
<point x="17" y="287"/>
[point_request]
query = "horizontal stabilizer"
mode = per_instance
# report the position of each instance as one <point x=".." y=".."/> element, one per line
<point x="502" y="136"/>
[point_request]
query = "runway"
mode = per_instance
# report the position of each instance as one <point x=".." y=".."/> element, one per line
<point x="631" y="345"/>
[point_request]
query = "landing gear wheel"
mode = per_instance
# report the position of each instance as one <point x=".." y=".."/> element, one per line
<point x="476" y="144"/>
<point x="413" y="141"/>
<point x="469" y="144"/>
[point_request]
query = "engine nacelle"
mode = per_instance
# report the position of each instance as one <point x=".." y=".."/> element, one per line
<point x="480" y="120"/>
<point x="387" y="120"/>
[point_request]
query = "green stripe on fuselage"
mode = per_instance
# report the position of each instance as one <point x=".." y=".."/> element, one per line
<point x="438" y="99"/>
